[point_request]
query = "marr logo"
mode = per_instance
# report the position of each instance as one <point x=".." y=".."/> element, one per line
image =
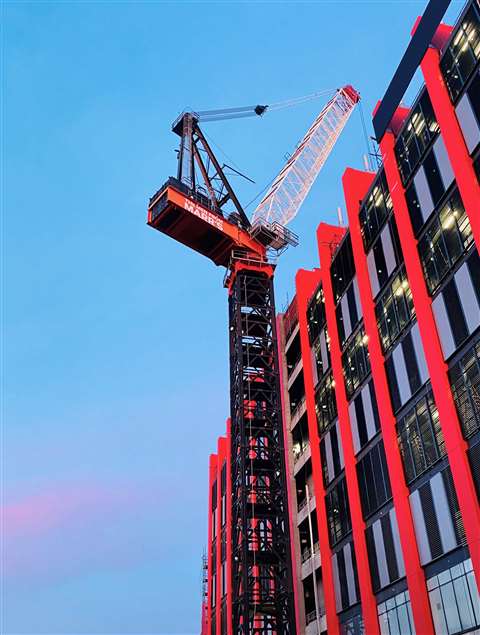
<point x="213" y="219"/>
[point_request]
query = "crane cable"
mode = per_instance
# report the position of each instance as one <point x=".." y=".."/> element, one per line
<point x="280" y="105"/>
<point x="365" y="134"/>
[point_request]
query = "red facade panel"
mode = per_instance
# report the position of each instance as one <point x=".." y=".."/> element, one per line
<point x="462" y="164"/>
<point x="356" y="185"/>
<point x="454" y="442"/>
<point x="306" y="283"/>
<point x="212" y="477"/>
<point x="290" y="497"/>
<point x="328" y="237"/>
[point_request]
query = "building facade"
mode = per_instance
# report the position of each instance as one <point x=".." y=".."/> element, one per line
<point x="217" y="596"/>
<point x="380" y="363"/>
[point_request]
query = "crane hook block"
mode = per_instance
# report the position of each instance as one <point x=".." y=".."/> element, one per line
<point x="260" y="110"/>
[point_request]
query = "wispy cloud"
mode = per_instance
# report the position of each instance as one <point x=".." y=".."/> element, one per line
<point x="78" y="527"/>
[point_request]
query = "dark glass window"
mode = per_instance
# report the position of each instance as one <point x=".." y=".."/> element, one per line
<point x="474" y="459"/>
<point x="421" y="129"/>
<point x="290" y="319"/>
<point x="420" y="438"/>
<point x="473" y="92"/>
<point x="414" y="208"/>
<point x="462" y="54"/>
<point x="476" y="165"/>
<point x="373" y="480"/>
<point x="325" y="403"/>
<point x="321" y="368"/>
<point x="340" y="326"/>
<point x="353" y="625"/>
<point x="375" y="210"/>
<point x="446" y="239"/>
<point x="293" y="354"/>
<point x="343" y="267"/>
<point x="453" y="307"/>
<point x="465" y="379"/>
<point x="434" y="180"/>
<point x="333" y="453"/>
<point x="316" y="315"/>
<point x="338" y="512"/>
<point x="214" y="496"/>
<point x="356" y="363"/>
<point x="394" y="309"/>
<point x="223" y="615"/>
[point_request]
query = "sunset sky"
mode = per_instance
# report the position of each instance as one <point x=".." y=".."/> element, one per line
<point x="116" y="337"/>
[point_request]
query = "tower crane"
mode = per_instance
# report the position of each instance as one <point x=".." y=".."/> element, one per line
<point x="199" y="208"/>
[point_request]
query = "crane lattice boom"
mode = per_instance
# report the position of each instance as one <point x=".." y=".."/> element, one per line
<point x="287" y="193"/>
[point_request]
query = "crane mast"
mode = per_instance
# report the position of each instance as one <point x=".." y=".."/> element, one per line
<point x="200" y="209"/>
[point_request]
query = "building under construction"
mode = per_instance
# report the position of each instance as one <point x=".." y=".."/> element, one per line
<point x="361" y="514"/>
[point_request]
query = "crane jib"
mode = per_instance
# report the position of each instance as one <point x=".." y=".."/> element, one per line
<point x="284" y="198"/>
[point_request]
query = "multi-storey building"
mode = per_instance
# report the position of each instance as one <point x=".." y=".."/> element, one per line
<point x="217" y="597"/>
<point x="380" y="362"/>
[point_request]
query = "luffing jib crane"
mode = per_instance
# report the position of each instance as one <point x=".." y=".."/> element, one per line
<point x="200" y="209"/>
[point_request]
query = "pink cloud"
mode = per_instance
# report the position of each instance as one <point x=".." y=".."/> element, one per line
<point x="76" y="527"/>
<point x="40" y="512"/>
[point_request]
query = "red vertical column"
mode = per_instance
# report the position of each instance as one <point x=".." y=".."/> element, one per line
<point x="212" y="475"/>
<point x="229" y="529"/>
<point x="327" y="237"/>
<point x="290" y="498"/>
<point x="220" y="462"/>
<point x="356" y="185"/>
<point x="462" y="164"/>
<point x="306" y="282"/>
<point x="454" y="442"/>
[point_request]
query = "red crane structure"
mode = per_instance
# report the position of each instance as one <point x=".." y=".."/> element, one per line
<point x="200" y="209"/>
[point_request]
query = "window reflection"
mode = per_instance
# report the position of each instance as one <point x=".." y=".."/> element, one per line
<point x="375" y="210"/>
<point x="411" y="144"/>
<point x="462" y="54"/>
<point x="356" y="363"/>
<point x="420" y="438"/>
<point x="395" y="616"/>
<point x="446" y="239"/>
<point x="465" y="378"/>
<point x="394" y="310"/>
<point x="454" y="599"/>
<point x="325" y="403"/>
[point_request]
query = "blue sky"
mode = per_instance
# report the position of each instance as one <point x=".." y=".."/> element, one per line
<point x="116" y="340"/>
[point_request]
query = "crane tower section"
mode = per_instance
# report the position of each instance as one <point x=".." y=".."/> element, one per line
<point x="288" y="191"/>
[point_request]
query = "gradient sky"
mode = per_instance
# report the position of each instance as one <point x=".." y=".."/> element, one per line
<point x="116" y="340"/>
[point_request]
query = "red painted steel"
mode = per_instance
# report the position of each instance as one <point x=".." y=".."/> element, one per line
<point x="356" y="185"/>
<point x="328" y="236"/>
<point x="296" y="595"/>
<point x="454" y="442"/>
<point x="185" y="219"/>
<point x="306" y="282"/>
<point x="229" y="531"/>
<point x="462" y="163"/>
<point x="212" y="475"/>
<point x="221" y="451"/>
